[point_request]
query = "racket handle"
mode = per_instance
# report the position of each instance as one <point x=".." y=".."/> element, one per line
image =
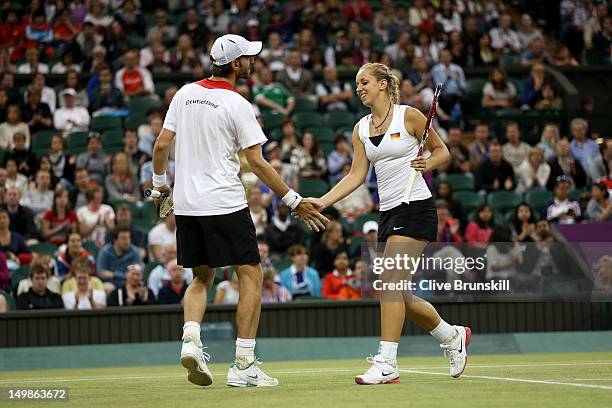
<point x="154" y="193"/>
<point x="409" y="186"/>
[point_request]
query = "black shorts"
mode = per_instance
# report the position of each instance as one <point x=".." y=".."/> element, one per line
<point x="418" y="220"/>
<point x="216" y="240"/>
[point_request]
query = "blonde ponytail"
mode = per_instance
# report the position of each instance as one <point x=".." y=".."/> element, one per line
<point x="382" y="72"/>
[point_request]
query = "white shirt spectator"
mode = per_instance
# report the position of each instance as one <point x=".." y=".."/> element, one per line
<point x="231" y="295"/>
<point x="37" y="201"/>
<point x="60" y="68"/>
<point x="558" y="208"/>
<point x="324" y="88"/>
<point x="71" y="119"/>
<point x="507" y="94"/>
<point x="161" y="235"/>
<point x="7" y="131"/>
<point x="90" y="218"/>
<point x="69" y="298"/>
<point x="525" y="173"/>
<point x="27" y="69"/>
<point x="505" y="40"/>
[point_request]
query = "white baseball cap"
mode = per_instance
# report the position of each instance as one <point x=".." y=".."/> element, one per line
<point x="370" y="226"/>
<point x="230" y="47"/>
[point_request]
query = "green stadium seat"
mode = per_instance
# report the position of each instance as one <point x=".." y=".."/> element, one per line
<point x="281" y="264"/>
<point x="339" y="119"/>
<point x="538" y="199"/>
<point x="355" y="244"/>
<point x="313" y="187"/>
<point x="469" y="199"/>
<point x="112" y="138"/>
<point x="76" y="142"/>
<point x="103" y="123"/>
<point x="502" y="201"/>
<point x="92" y="248"/>
<point x="148" y="268"/>
<point x="362" y="219"/>
<point x="160" y="88"/>
<point x="134" y="209"/>
<point x="272" y="120"/>
<point x="149" y="211"/>
<point x="142" y="105"/>
<point x="304" y="104"/>
<point x="10" y="301"/>
<point x="144" y="224"/>
<point x="461" y="182"/>
<point x="307" y="119"/>
<point x="327" y="147"/>
<point x="133" y="121"/>
<point x="135" y="41"/>
<point x="18" y="275"/>
<point x="43" y="248"/>
<point x="576" y="193"/>
<point x="41" y="139"/>
<point x="474" y="93"/>
<point x="322" y="134"/>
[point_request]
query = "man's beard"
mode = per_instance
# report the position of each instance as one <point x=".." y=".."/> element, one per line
<point x="248" y="72"/>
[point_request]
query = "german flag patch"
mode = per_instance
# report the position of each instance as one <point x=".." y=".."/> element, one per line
<point x="395" y="136"/>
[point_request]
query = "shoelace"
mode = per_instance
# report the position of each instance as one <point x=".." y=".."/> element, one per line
<point x="371" y="359"/>
<point x="205" y="354"/>
<point x="451" y="352"/>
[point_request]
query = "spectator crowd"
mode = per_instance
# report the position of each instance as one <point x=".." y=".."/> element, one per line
<point x="85" y="85"/>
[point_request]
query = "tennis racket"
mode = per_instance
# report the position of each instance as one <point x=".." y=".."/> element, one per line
<point x="430" y="117"/>
<point x="167" y="204"/>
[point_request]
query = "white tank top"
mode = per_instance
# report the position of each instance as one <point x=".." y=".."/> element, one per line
<point x="391" y="160"/>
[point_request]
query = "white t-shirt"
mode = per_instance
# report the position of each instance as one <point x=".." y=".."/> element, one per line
<point x="212" y="123"/>
<point x="161" y="235"/>
<point x="69" y="298"/>
<point x="89" y="218"/>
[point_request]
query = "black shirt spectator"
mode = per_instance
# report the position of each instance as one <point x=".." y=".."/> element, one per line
<point x="36" y="113"/>
<point x="495" y="173"/>
<point x="174" y="291"/>
<point x="332" y="243"/>
<point x="39" y="297"/>
<point x="106" y="95"/>
<point x="565" y="165"/>
<point x="282" y="231"/>
<point x="21" y="218"/>
<point x="44" y="300"/>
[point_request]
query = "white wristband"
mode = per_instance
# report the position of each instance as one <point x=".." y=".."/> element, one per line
<point x="292" y="199"/>
<point x="159" y="180"/>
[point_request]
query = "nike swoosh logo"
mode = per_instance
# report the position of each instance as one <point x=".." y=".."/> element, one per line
<point x="387" y="374"/>
<point x="253" y="378"/>
<point x="461" y="348"/>
<point x="397" y="228"/>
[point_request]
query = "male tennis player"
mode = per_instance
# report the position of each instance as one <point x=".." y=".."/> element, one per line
<point x="212" y="123"/>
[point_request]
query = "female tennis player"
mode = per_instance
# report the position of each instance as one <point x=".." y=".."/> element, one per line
<point x="389" y="138"/>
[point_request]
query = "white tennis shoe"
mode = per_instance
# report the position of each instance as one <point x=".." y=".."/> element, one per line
<point x="194" y="359"/>
<point x="252" y="376"/>
<point x="383" y="371"/>
<point x="456" y="350"/>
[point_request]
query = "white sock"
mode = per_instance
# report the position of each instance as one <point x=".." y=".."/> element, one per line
<point x="388" y="350"/>
<point x="191" y="331"/>
<point x="443" y="332"/>
<point x="245" y="352"/>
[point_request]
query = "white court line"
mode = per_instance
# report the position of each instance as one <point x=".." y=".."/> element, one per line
<point x="511" y="379"/>
<point x="415" y="370"/>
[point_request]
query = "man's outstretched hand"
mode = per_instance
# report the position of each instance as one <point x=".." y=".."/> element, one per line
<point x="309" y="212"/>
